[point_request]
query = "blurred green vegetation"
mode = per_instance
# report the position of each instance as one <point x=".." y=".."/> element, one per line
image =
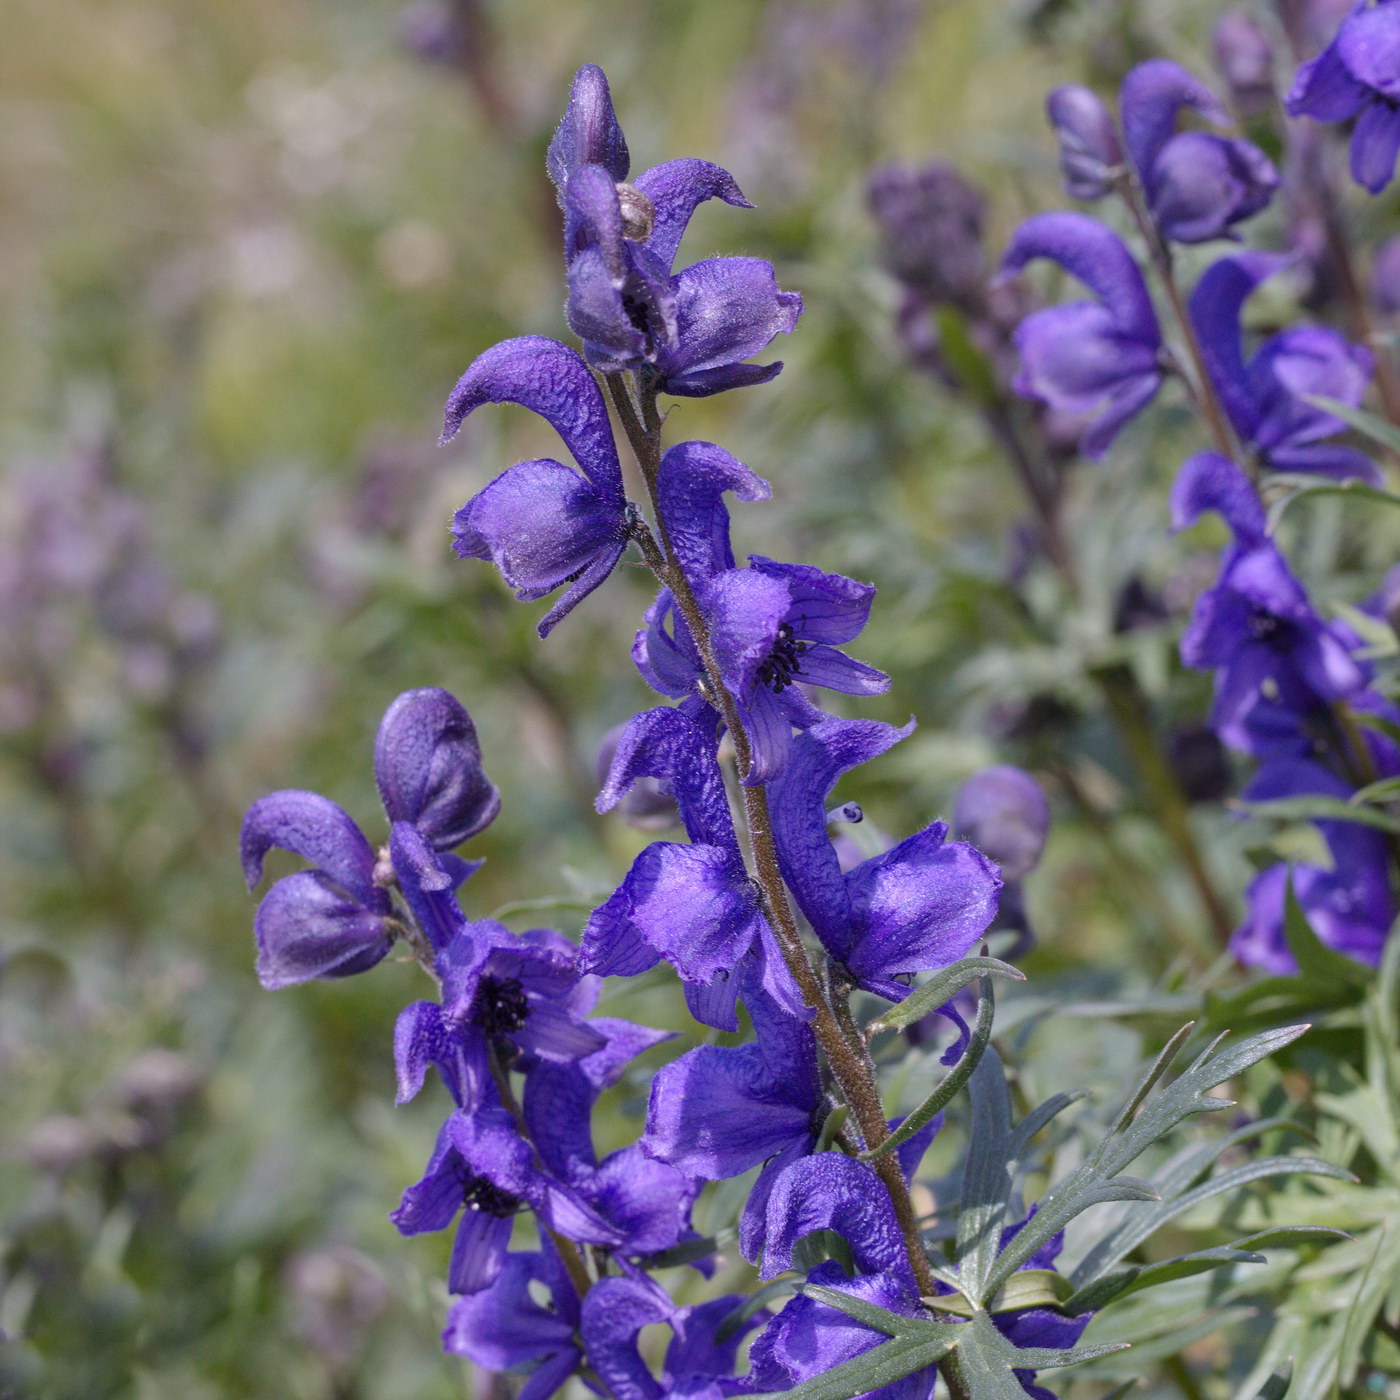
<point x="246" y="246"/>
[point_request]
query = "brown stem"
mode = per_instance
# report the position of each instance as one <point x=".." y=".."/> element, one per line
<point x="1041" y="497"/>
<point x="1201" y="386"/>
<point x="851" y="1066"/>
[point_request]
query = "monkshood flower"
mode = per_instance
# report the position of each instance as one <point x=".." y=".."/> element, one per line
<point x="919" y="906"/>
<point x="1266" y="398"/>
<point x="719" y="1110"/>
<point x="694" y="904"/>
<point x="1002" y="811"/>
<point x="1278" y="666"/>
<point x="1101" y="356"/>
<point x="692" y="330"/>
<point x="1350" y="907"/>
<point x="1090" y="154"/>
<point x="501" y="992"/>
<point x="647" y="1201"/>
<point x="772" y="625"/>
<point x="1358" y="75"/>
<point x="1244" y="57"/>
<point x="482" y="1167"/>
<point x="541" y="523"/>
<point x="336" y="919"/>
<point x="1198" y="185"/>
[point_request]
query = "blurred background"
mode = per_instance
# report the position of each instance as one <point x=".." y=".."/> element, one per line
<point x="246" y="246"/>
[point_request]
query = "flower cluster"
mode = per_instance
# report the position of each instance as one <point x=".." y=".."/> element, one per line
<point x="743" y="649"/>
<point x="1293" y="689"/>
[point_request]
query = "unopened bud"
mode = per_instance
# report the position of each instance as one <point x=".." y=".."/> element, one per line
<point x="1244" y="57"/>
<point x="638" y="213"/>
<point x="1089" y="151"/>
<point x="1003" y="812"/>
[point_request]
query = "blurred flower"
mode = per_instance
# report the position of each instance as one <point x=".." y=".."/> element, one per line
<point x="336" y="1294"/>
<point x="1358" y="75"/>
<point x="1385" y="277"/>
<point x="932" y="221"/>
<point x="1244" y="57"/>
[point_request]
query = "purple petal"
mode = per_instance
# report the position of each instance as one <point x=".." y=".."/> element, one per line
<point x="693" y="904"/>
<point x="426" y="885"/>
<point x="1095" y="255"/>
<point x="432" y="1203"/>
<point x="1325" y="90"/>
<point x="593" y="218"/>
<point x="543" y="525"/>
<point x="1209" y="481"/>
<point x="306" y="928"/>
<point x="833" y="1192"/>
<point x="647" y="1200"/>
<point x="834" y="670"/>
<point x="549" y="379"/>
<point x="614" y="1312"/>
<point x="1375" y="143"/>
<point x="799" y="795"/>
<point x="664" y="743"/>
<point x="1306" y="361"/>
<point x="826" y="607"/>
<point x="420" y="1040"/>
<point x="596" y="311"/>
<point x="920" y="906"/>
<point x="1152" y="95"/>
<point x="675" y="190"/>
<point x="702" y="384"/>
<point x="727" y="309"/>
<point x="427" y="763"/>
<point x="1369" y="44"/>
<point x="690" y="487"/>
<point x="745" y="609"/>
<point x="717" y="1111"/>
<point x="1205" y="184"/>
<point x="478" y="1251"/>
<point x="714" y="1003"/>
<point x="1124" y="404"/>
<point x="764" y="718"/>
<point x="316" y="829"/>
<point x="1327" y="459"/>
<point x="1089" y="149"/>
<point x="1002" y="811"/>
<point x="503" y="1326"/>
<point x="589" y="134"/>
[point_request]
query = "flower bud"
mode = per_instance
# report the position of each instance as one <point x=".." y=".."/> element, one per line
<point x="931" y="219"/>
<point x="1003" y="812"/>
<point x="1089" y="149"/>
<point x="1244" y="58"/>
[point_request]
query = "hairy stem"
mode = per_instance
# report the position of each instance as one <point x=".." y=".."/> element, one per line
<point x="850" y="1064"/>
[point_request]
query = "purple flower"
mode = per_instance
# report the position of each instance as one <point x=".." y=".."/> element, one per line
<point x="541" y="523"/>
<point x="1198" y="185"/>
<point x="691" y="904"/>
<point x="1358" y="75"/>
<point x="1278" y="666"/>
<point x="1244" y="57"/>
<point x="483" y="1168"/>
<point x="918" y="907"/>
<point x="1090" y="155"/>
<point x="1266" y="399"/>
<point x="932" y="223"/>
<point x="1350" y="907"/>
<point x="1089" y="356"/>
<point x="1003" y="812"/>
<point x="691" y="330"/>
<point x="506" y="1327"/>
<point x="335" y="920"/>
<point x="719" y="1110"/>
<point x="772" y="625"/>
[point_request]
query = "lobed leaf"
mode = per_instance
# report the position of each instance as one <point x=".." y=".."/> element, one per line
<point x="941" y="988"/>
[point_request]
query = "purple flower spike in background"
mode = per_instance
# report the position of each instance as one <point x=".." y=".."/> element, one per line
<point x="541" y="523"/>
<point x="1099" y="356"/>
<point x="1244" y="57"/>
<point x="1198" y="185"/>
<point x="1266" y="398"/>
<point x="691" y="330"/>
<point x="1358" y="75"/>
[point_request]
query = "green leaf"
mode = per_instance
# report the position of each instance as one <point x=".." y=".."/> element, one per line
<point x="953" y="1081"/>
<point x="941" y="988"/>
<point x="988" y="1361"/>
<point x="1041" y="1117"/>
<point x="1316" y="808"/>
<point x="1129" y="1139"/>
<point x="1135" y="1278"/>
<point x="1317" y="963"/>
<point x="1291" y="1237"/>
<point x="1367" y="424"/>
<point x="1158" y="1068"/>
<point x="1276" y="1387"/>
<point x="967" y="362"/>
<point x="986" y="1180"/>
<point x="870" y="1314"/>
<point x="889" y="1362"/>
<point x="1384" y="790"/>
